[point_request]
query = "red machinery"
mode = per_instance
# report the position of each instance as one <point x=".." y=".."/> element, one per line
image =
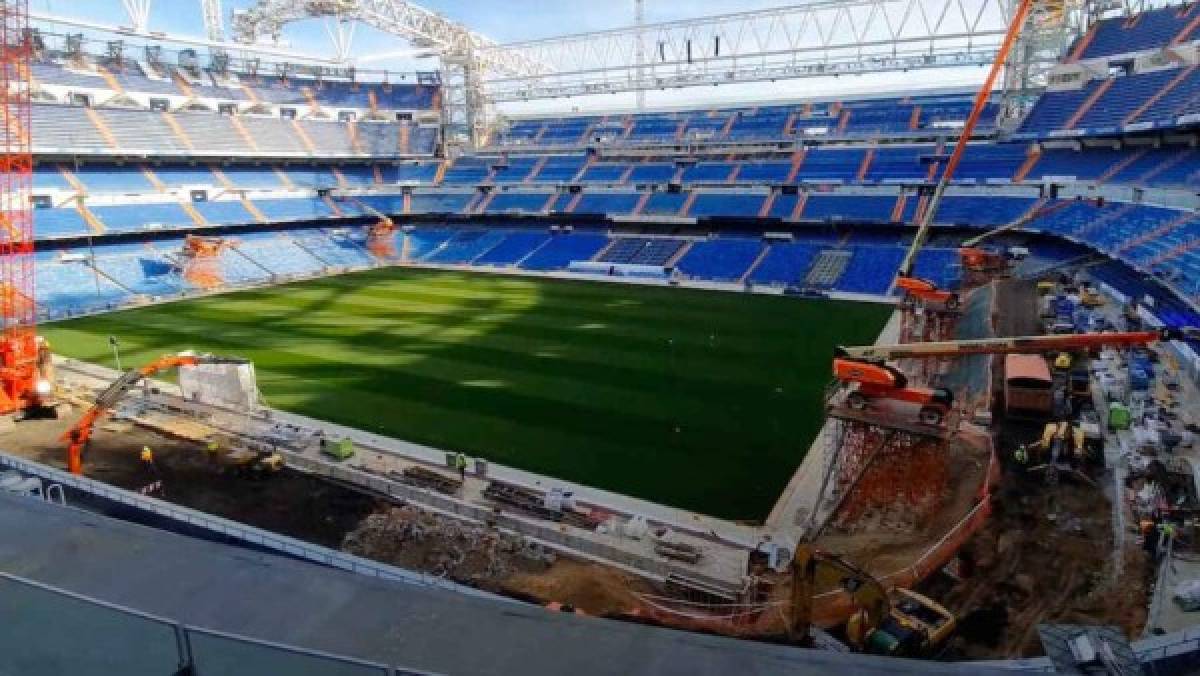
<point x="77" y="437"/>
<point x="866" y="372"/>
<point x="879" y="380"/>
<point x="202" y="261"/>
<point x="381" y="235"/>
<point x="981" y="264"/>
<point x="23" y="381"/>
<point x="921" y="291"/>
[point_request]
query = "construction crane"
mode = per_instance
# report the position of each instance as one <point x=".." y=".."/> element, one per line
<point x="923" y="291"/>
<point x="866" y="374"/>
<point x="24" y="381"/>
<point x="986" y="264"/>
<point x="77" y="437"/>
<point x="902" y="622"/>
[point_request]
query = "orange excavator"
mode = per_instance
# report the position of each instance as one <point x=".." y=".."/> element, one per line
<point x="866" y="374"/>
<point x="924" y="293"/>
<point x="79" y="434"/>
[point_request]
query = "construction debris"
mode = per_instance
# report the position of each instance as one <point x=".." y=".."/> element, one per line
<point x="421" y="477"/>
<point x="472" y="553"/>
<point x="553" y="506"/>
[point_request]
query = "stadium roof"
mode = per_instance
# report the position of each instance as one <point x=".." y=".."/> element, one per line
<point x="518" y="21"/>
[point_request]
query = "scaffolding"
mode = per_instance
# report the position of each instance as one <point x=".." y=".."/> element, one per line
<point x="886" y="469"/>
<point x="19" y="345"/>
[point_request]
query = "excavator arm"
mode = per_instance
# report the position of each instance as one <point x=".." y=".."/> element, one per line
<point x="79" y="434"/>
<point x="815" y="571"/>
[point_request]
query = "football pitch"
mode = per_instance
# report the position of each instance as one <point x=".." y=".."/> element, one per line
<point x="698" y="399"/>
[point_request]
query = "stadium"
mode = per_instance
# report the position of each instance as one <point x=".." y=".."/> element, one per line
<point x="367" y="336"/>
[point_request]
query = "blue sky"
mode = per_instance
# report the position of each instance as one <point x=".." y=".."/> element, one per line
<point x="514" y="20"/>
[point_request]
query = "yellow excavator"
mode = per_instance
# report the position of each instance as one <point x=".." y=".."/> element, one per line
<point x="1063" y="448"/>
<point x="899" y="622"/>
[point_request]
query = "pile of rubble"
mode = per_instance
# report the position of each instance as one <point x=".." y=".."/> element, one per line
<point x="472" y="553"/>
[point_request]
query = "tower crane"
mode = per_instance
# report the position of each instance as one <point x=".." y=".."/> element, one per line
<point x="866" y="374"/>
<point x="77" y="437"/>
<point x="25" y="380"/>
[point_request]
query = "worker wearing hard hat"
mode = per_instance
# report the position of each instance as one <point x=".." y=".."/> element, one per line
<point x="147" y="455"/>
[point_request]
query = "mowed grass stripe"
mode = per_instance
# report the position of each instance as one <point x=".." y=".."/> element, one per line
<point x="585" y="349"/>
<point x="388" y="294"/>
<point x="407" y="301"/>
<point x="699" y="399"/>
<point x="750" y="364"/>
<point x="475" y="367"/>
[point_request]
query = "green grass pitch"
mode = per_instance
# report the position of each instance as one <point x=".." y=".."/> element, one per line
<point x="699" y="399"/>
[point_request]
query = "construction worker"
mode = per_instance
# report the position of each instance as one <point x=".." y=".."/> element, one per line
<point x="1021" y="455"/>
<point x="1166" y="533"/>
<point x="213" y="447"/>
<point x="460" y="463"/>
<point x="147" y="455"/>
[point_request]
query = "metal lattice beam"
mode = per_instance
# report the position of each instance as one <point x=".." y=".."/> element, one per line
<point x="214" y="23"/>
<point x="422" y="27"/>
<point x="139" y="13"/>
<point x="817" y="38"/>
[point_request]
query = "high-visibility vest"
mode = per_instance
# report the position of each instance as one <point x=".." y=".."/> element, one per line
<point x="147" y="454"/>
<point x="460" y="461"/>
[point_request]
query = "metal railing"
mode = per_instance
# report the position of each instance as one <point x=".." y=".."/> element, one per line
<point x="238" y="531"/>
<point x="110" y="638"/>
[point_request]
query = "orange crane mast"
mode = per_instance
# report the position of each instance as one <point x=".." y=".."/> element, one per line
<point x="24" y="382"/>
<point x="924" y="290"/>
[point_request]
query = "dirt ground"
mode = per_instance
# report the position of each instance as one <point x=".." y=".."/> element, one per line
<point x="476" y="555"/>
<point x="315" y="510"/>
<point x="287" y="502"/>
<point x="1016" y="308"/>
<point x="1045" y="556"/>
<point x="886" y="540"/>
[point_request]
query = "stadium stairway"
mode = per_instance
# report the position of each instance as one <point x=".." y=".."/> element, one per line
<point x="828" y="268"/>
